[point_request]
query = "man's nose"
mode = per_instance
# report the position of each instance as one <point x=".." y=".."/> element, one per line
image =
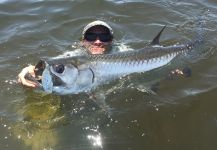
<point x="97" y="41"/>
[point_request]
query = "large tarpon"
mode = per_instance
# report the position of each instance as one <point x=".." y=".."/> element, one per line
<point x="82" y="73"/>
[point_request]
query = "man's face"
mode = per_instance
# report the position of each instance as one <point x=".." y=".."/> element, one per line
<point x="97" y="40"/>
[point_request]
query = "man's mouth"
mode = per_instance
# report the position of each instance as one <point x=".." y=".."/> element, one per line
<point x="97" y="50"/>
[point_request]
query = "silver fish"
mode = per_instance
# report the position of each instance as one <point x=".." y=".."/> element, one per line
<point x="82" y="73"/>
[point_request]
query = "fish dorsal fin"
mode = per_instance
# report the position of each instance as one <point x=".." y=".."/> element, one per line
<point x="156" y="40"/>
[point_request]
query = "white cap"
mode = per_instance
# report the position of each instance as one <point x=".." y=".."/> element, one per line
<point x="96" y="23"/>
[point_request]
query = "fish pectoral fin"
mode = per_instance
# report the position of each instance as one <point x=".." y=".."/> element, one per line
<point x="156" y="40"/>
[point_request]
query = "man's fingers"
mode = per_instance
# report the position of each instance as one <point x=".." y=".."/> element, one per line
<point x="27" y="82"/>
<point x="18" y="80"/>
<point x="21" y="77"/>
<point x="177" y="72"/>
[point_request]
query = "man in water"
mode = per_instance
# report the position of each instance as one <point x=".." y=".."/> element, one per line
<point x="97" y="38"/>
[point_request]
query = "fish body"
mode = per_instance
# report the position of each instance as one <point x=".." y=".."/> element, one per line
<point x="82" y="73"/>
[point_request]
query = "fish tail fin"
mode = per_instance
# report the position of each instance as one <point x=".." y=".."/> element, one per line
<point x="200" y="33"/>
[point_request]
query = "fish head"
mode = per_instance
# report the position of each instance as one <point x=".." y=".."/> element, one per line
<point x="56" y="77"/>
<point x="63" y="74"/>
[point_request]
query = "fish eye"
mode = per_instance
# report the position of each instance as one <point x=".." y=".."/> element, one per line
<point x="59" y="68"/>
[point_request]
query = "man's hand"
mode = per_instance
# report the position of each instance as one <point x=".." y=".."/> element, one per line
<point x="185" y="72"/>
<point x="21" y="76"/>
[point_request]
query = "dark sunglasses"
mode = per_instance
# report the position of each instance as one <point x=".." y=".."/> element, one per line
<point x="104" y="37"/>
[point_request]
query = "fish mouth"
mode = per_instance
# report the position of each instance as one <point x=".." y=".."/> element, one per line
<point x="41" y="66"/>
<point x="39" y="69"/>
<point x="51" y="69"/>
<point x="44" y="76"/>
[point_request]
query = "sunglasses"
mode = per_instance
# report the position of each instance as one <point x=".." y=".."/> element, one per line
<point x="104" y="37"/>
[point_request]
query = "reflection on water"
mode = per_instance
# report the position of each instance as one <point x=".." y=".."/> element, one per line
<point x="36" y="139"/>
<point x="95" y="137"/>
<point x="41" y="114"/>
<point x="96" y="140"/>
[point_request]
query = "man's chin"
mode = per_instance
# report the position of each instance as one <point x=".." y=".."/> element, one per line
<point x="97" y="50"/>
